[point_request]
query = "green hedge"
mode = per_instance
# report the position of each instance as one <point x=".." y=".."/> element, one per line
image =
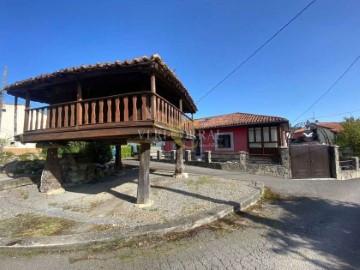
<point x="126" y="151"/>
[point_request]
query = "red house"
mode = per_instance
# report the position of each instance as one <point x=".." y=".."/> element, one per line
<point x="260" y="135"/>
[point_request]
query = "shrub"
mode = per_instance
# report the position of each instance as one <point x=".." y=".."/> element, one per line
<point x="73" y="148"/>
<point x="98" y="152"/>
<point x="126" y="151"/>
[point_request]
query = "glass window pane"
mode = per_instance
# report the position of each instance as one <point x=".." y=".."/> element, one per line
<point x="255" y="145"/>
<point x="258" y="134"/>
<point x="274" y="134"/>
<point x="224" y="141"/>
<point x="266" y="134"/>
<point x="251" y="135"/>
<point x="270" y="145"/>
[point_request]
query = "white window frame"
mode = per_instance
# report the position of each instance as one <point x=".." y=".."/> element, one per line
<point x="231" y="141"/>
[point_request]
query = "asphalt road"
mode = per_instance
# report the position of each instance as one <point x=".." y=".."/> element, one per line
<point x="315" y="227"/>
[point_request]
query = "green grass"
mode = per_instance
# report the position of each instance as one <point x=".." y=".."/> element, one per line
<point x="30" y="225"/>
<point x="203" y="180"/>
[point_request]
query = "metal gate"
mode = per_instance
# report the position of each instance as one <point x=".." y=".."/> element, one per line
<point x="310" y="161"/>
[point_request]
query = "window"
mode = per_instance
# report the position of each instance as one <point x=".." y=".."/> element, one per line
<point x="224" y="141"/>
<point x="262" y="138"/>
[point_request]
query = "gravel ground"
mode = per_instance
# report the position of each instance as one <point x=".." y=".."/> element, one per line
<point x="111" y="201"/>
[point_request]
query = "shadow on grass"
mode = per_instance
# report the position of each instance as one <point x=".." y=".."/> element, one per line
<point x="330" y="228"/>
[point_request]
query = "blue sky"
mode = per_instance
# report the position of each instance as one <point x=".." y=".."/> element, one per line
<point x="203" y="41"/>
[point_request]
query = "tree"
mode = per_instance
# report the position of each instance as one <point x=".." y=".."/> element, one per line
<point x="98" y="152"/>
<point x="350" y="136"/>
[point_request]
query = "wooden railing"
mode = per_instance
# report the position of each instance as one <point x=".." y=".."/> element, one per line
<point x="140" y="106"/>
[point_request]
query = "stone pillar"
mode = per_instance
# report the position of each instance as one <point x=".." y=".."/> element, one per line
<point x="187" y="155"/>
<point x="173" y="155"/>
<point x="334" y="162"/>
<point x="355" y="161"/>
<point x="51" y="175"/>
<point x="244" y="157"/>
<point x="179" y="165"/>
<point x="286" y="161"/>
<point x="143" y="192"/>
<point x="158" y="155"/>
<point x="118" y="162"/>
<point x="207" y="156"/>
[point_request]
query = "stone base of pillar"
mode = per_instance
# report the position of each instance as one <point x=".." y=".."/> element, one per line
<point x="51" y="175"/>
<point x="144" y="205"/>
<point x="181" y="175"/>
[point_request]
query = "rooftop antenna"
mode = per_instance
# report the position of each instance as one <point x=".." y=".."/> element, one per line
<point x="2" y="93"/>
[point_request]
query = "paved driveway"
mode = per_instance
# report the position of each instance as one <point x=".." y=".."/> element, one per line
<point x="317" y="227"/>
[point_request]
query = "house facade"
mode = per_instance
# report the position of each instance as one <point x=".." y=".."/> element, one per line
<point x="258" y="135"/>
<point x="322" y="132"/>
<point x="12" y="124"/>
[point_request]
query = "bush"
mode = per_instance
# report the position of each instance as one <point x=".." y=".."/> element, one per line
<point x="126" y="151"/>
<point x="98" y="152"/>
<point x="73" y="148"/>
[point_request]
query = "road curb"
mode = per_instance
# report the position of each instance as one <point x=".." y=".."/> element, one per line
<point x="66" y="242"/>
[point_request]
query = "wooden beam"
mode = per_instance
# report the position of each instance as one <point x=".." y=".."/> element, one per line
<point x="153" y="84"/>
<point x="180" y="105"/>
<point x="118" y="161"/>
<point x="179" y="166"/>
<point x="27" y="107"/>
<point x="15" y="115"/>
<point x="153" y="97"/>
<point x="143" y="192"/>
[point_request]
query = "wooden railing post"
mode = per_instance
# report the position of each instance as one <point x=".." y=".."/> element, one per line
<point x="37" y="120"/>
<point x="66" y="116"/>
<point x="93" y="110"/>
<point x="48" y="117"/>
<point x="59" y="119"/>
<point x="86" y="113"/>
<point x="101" y="111"/>
<point x="117" y="109"/>
<point x="53" y="117"/>
<point x="72" y="115"/>
<point x="31" y="119"/>
<point x="144" y="115"/>
<point x="42" y="119"/>
<point x="109" y="113"/>
<point x="79" y="104"/>
<point x="135" y="114"/>
<point x="126" y="109"/>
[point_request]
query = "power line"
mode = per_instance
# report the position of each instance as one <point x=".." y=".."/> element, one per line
<point x="257" y="50"/>
<point x="330" y="115"/>
<point x="330" y="88"/>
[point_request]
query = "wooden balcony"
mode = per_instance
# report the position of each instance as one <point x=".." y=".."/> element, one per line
<point x="112" y="118"/>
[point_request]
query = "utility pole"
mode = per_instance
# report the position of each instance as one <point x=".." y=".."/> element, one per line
<point x="2" y="94"/>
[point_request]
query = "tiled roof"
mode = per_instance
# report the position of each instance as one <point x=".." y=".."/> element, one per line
<point x="333" y="126"/>
<point x="236" y="119"/>
<point x="100" y="67"/>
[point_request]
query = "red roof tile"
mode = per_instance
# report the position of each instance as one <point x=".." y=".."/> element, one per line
<point x="98" y="67"/>
<point x="333" y="126"/>
<point x="236" y="119"/>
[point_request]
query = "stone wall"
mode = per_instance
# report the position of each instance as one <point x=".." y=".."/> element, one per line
<point x="244" y="164"/>
<point x="75" y="171"/>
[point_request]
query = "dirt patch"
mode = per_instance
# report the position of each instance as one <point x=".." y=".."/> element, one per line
<point x="30" y="225"/>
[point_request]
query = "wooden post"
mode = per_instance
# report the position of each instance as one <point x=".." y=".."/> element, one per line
<point x="118" y="162"/>
<point x="15" y="115"/>
<point x="179" y="164"/>
<point x="79" y="105"/>
<point x="143" y="192"/>
<point x="153" y="97"/>
<point x="27" y="107"/>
